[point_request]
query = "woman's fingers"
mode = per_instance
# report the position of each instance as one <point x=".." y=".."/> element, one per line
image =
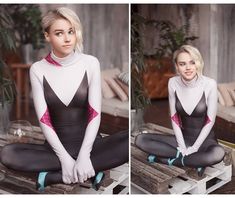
<point x="75" y="175"/>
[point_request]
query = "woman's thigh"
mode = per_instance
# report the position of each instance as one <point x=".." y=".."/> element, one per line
<point x="29" y="157"/>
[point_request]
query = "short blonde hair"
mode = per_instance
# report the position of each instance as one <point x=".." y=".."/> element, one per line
<point x="69" y="15"/>
<point x="194" y="53"/>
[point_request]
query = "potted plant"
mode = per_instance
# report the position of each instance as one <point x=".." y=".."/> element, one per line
<point x="139" y="98"/>
<point x="171" y="38"/>
<point x="27" y="28"/>
<point x="7" y="85"/>
<point x="159" y="65"/>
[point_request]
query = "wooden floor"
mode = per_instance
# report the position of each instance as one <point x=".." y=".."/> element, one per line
<point x="158" y="113"/>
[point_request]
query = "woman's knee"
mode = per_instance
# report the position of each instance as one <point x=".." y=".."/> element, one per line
<point x="8" y="154"/>
<point x="140" y="140"/>
<point x="217" y="154"/>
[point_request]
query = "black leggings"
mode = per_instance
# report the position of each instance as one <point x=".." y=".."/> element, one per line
<point x="107" y="153"/>
<point x="165" y="147"/>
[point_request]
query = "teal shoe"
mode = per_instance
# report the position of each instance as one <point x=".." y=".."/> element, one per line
<point x="171" y="160"/>
<point x="41" y="181"/>
<point x="200" y="171"/>
<point x="152" y="158"/>
<point x="97" y="180"/>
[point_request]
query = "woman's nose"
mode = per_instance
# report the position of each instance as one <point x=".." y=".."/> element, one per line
<point x="188" y="66"/>
<point x="67" y="38"/>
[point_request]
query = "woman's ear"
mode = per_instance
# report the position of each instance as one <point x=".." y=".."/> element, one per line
<point x="46" y="35"/>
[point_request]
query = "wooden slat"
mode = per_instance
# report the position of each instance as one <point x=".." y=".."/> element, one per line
<point x="146" y="178"/>
<point x="172" y="171"/>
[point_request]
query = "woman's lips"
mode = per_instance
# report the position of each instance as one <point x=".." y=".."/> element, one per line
<point x="66" y="45"/>
<point x="188" y="73"/>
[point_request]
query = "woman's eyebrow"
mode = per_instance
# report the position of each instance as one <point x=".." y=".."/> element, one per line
<point x="58" y="30"/>
<point x="61" y="30"/>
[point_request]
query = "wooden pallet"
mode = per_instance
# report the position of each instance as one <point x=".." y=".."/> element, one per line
<point x="15" y="182"/>
<point x="215" y="177"/>
<point x="160" y="179"/>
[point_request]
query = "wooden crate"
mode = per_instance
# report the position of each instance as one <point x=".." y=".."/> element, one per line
<point x="15" y="182"/>
<point x="156" y="178"/>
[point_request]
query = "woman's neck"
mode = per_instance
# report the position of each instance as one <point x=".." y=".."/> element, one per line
<point x="65" y="61"/>
<point x="191" y="83"/>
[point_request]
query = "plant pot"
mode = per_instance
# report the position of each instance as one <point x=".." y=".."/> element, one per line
<point x="137" y="119"/>
<point x="4" y="117"/>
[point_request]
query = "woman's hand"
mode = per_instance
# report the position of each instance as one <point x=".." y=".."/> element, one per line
<point x="83" y="169"/>
<point x="182" y="150"/>
<point x="67" y="164"/>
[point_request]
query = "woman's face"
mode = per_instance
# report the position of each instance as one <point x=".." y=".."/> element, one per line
<point x="61" y="37"/>
<point x="186" y="66"/>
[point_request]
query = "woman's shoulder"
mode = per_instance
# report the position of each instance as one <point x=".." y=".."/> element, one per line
<point x="36" y="66"/>
<point x="173" y="80"/>
<point x="89" y="58"/>
<point x="210" y="82"/>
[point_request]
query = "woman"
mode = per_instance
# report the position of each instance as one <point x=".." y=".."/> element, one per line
<point x="193" y="106"/>
<point x="67" y="98"/>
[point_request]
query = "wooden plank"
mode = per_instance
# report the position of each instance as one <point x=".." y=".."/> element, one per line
<point x="172" y="171"/>
<point x="148" y="177"/>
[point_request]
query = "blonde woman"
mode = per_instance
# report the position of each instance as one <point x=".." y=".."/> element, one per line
<point x="67" y="98"/>
<point x="193" y="106"/>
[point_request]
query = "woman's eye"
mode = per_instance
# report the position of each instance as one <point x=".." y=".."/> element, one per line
<point x="58" y="33"/>
<point x="192" y="62"/>
<point x="71" y="32"/>
<point x="181" y="64"/>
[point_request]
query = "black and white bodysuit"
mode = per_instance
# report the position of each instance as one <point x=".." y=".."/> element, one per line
<point x="193" y="106"/>
<point x="67" y="100"/>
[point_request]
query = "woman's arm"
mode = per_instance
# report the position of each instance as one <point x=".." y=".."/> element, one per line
<point x="210" y="120"/>
<point x="175" y="119"/>
<point x="67" y="162"/>
<point x="84" y="169"/>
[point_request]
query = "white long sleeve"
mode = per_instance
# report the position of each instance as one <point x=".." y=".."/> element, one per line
<point x="43" y="114"/>
<point x="175" y="119"/>
<point x="67" y="163"/>
<point x="84" y="168"/>
<point x="212" y="99"/>
<point x="94" y="100"/>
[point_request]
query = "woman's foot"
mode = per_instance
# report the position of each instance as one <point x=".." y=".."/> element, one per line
<point x="178" y="160"/>
<point x="97" y="180"/>
<point x="40" y="185"/>
<point x="200" y="171"/>
<point x="152" y="158"/>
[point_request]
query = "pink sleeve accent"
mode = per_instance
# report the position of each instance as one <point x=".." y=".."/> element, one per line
<point x="176" y="119"/>
<point x="50" y="60"/>
<point x="46" y="119"/>
<point x="91" y="113"/>
<point x="208" y="120"/>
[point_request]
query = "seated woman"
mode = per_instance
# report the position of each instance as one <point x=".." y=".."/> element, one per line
<point x="67" y="98"/>
<point x="193" y="106"/>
